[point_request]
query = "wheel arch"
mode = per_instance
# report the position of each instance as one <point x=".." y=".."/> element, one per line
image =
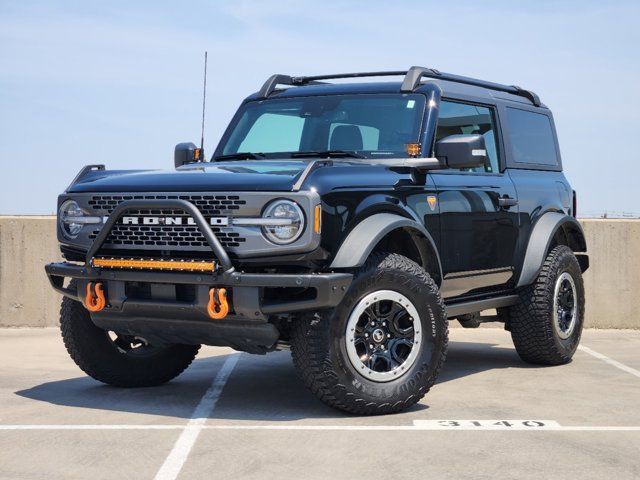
<point x="551" y="230"/>
<point x="393" y="233"/>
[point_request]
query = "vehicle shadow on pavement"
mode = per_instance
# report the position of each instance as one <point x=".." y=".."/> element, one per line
<point x="468" y="358"/>
<point x="261" y="388"/>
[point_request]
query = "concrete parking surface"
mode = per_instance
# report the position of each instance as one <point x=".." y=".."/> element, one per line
<point x="241" y="416"/>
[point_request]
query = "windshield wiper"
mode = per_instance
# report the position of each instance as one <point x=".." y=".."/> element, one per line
<point x="327" y="154"/>
<point x="240" y="156"/>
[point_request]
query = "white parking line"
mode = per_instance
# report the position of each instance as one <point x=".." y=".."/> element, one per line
<point x="92" y="427"/>
<point x="418" y="425"/>
<point x="514" y="425"/>
<point x="180" y="451"/>
<point x="610" y="361"/>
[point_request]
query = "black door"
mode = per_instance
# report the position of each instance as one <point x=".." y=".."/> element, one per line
<point x="478" y="208"/>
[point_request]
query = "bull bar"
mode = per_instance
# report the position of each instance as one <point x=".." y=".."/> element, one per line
<point x="167" y="319"/>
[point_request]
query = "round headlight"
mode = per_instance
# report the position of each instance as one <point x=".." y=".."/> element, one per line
<point x="68" y="216"/>
<point x="288" y="222"/>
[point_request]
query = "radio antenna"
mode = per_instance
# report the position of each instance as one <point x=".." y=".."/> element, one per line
<point x="204" y="99"/>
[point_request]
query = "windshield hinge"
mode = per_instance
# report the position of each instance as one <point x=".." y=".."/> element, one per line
<point x="311" y="166"/>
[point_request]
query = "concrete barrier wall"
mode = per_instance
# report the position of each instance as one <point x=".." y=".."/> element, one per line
<point x="26" y="298"/>
<point x="27" y="243"/>
<point x="612" y="282"/>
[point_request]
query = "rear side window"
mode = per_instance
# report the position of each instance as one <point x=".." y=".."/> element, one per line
<point x="531" y="137"/>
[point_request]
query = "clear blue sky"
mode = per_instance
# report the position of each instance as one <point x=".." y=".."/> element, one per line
<point x="119" y="82"/>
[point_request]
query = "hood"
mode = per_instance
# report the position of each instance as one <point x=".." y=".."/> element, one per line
<point x="260" y="175"/>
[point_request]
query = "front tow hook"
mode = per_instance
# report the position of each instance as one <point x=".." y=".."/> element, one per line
<point x="95" y="300"/>
<point x="218" y="307"/>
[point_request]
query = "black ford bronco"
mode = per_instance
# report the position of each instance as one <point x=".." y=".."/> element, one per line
<point x="346" y="221"/>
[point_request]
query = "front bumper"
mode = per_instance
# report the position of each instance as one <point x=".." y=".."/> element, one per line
<point x="163" y="317"/>
<point x="246" y="287"/>
<point x="171" y="307"/>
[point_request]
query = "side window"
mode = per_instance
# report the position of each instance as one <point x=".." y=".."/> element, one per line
<point x="531" y="137"/>
<point x="266" y="136"/>
<point x="461" y="118"/>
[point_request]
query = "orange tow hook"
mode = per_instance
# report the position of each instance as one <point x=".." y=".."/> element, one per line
<point x="95" y="299"/>
<point x="218" y="307"/>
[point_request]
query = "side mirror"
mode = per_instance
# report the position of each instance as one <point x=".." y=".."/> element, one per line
<point x="462" y="151"/>
<point x="186" y="152"/>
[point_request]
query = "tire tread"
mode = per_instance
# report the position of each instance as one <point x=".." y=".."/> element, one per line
<point x="310" y="340"/>
<point x="86" y="346"/>
<point x="529" y="320"/>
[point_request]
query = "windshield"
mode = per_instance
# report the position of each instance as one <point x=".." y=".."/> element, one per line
<point x="372" y="126"/>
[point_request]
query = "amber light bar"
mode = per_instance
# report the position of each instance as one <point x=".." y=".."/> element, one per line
<point x="184" y="265"/>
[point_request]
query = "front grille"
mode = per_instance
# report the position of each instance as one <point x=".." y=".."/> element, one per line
<point x="207" y="204"/>
<point x="169" y="236"/>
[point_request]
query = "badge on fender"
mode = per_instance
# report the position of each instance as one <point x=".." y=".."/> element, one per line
<point x="432" y="201"/>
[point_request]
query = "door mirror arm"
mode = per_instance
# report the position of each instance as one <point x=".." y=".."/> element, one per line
<point x="424" y="164"/>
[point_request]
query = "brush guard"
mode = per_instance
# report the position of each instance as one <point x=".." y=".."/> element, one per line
<point x="167" y="317"/>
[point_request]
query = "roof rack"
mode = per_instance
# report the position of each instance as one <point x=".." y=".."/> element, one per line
<point x="415" y="74"/>
<point x="412" y="79"/>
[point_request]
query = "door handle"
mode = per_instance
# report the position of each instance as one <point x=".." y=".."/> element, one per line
<point x="507" y="202"/>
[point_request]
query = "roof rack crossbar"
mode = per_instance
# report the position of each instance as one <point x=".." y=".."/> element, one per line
<point x="411" y="82"/>
<point x="334" y="76"/>
<point x="415" y="74"/>
<point x="278" y="79"/>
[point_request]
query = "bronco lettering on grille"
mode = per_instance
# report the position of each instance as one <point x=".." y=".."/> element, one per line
<point x="147" y="220"/>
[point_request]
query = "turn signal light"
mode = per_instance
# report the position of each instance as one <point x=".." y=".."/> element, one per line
<point x="412" y="149"/>
<point x="317" y="218"/>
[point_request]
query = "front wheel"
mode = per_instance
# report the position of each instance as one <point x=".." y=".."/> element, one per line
<point x="381" y="349"/>
<point x="546" y="324"/>
<point x="119" y="360"/>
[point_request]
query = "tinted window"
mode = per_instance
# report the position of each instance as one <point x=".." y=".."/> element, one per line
<point x="265" y="134"/>
<point x="374" y="126"/>
<point x="370" y="135"/>
<point x="461" y="118"/>
<point x="531" y="137"/>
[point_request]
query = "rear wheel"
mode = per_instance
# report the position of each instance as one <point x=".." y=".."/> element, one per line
<point x="547" y="323"/>
<point x="119" y="360"/>
<point x="381" y="349"/>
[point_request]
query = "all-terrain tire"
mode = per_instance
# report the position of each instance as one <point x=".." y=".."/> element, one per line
<point x="92" y="349"/>
<point x="318" y="342"/>
<point x="533" y="326"/>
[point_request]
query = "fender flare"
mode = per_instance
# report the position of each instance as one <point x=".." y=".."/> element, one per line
<point x="540" y="240"/>
<point x="363" y="238"/>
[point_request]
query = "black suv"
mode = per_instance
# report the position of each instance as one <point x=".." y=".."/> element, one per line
<point x="345" y="221"/>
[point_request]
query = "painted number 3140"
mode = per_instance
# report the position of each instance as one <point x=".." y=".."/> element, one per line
<point x="491" y="423"/>
<point x="486" y="424"/>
